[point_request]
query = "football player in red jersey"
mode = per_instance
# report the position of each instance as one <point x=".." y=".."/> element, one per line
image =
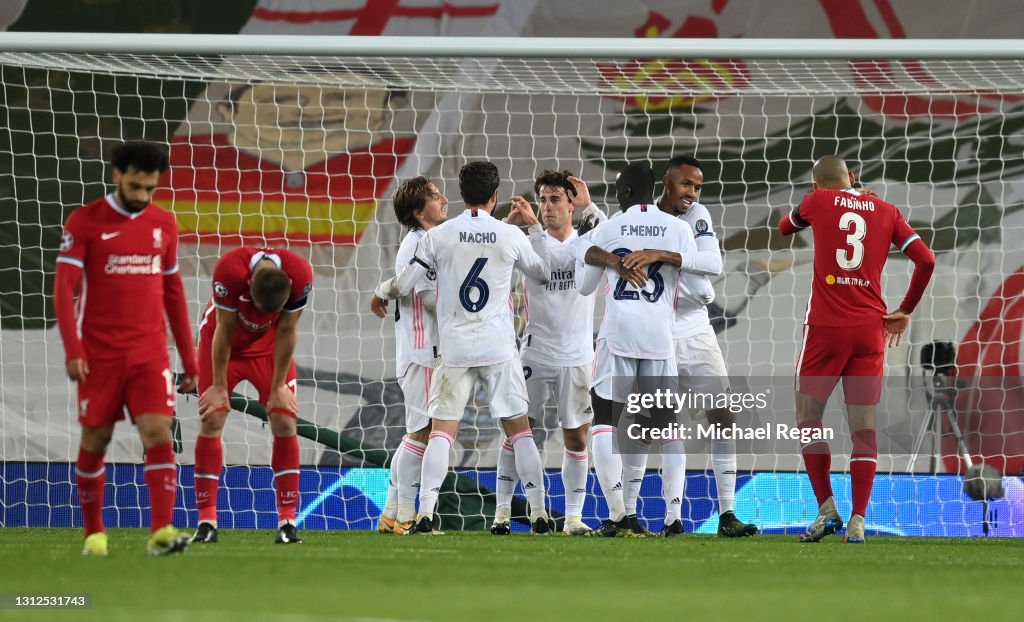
<point x="249" y="332"/>
<point x="846" y="328"/>
<point x="123" y="251"/>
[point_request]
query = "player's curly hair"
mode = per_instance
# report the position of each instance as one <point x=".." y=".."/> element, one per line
<point x="270" y="289"/>
<point x="140" y="155"/>
<point x="554" y="179"/>
<point x="477" y="182"/>
<point x="409" y="198"/>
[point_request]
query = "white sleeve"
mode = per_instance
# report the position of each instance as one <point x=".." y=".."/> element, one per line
<point x="587" y="278"/>
<point x="412" y="274"/>
<point x="533" y="260"/>
<point x="595" y="211"/>
<point x="707" y="260"/>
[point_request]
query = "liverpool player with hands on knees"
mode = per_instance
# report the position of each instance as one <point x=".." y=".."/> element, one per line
<point x="557" y="350"/>
<point x="249" y="331"/>
<point x="698" y="356"/>
<point x="846" y="327"/>
<point x="474" y="255"/>
<point x="420" y="206"/>
<point x="123" y="251"/>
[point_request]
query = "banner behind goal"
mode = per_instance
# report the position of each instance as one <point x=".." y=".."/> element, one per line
<point x="303" y="151"/>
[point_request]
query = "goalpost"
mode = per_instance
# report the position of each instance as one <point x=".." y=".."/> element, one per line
<point x="299" y="141"/>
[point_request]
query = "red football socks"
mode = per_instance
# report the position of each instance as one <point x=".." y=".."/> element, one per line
<point x="863" y="462"/>
<point x="162" y="480"/>
<point x="91" y="476"/>
<point x="818" y="461"/>
<point x="209" y="461"/>
<point x="285" y="462"/>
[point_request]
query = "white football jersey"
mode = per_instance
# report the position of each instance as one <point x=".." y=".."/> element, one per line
<point x="560" y="322"/>
<point x="695" y="290"/>
<point x="473" y="256"/>
<point x="639" y="324"/>
<point x="415" y="326"/>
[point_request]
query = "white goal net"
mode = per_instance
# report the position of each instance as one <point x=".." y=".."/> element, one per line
<point x="304" y="151"/>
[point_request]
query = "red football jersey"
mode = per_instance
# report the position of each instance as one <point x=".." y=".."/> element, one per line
<point x="852" y="236"/>
<point x="124" y="258"/>
<point x="254" y="333"/>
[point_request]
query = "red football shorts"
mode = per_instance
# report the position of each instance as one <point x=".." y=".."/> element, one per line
<point x="113" y="386"/>
<point x="259" y="371"/>
<point x="855" y="353"/>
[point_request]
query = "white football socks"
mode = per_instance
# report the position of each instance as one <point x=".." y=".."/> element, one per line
<point x="408" y="466"/>
<point x="723" y="461"/>
<point x="673" y="479"/>
<point x="574" y="479"/>
<point x="531" y="471"/>
<point x="507" y="478"/>
<point x="608" y="466"/>
<point x="435" y="467"/>
<point x="634" y="465"/>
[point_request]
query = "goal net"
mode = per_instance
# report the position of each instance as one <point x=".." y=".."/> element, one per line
<point x="304" y="151"/>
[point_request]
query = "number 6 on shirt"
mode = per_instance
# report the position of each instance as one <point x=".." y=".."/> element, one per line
<point x="473" y="281"/>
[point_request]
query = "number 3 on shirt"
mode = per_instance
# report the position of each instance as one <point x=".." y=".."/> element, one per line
<point x="473" y="281"/>
<point x="621" y="293"/>
<point x="851" y="260"/>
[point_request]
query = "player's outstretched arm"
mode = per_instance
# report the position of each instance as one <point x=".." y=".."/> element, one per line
<point x="397" y="286"/>
<point x="282" y="399"/>
<point x="65" y="284"/>
<point x="596" y="256"/>
<point x="215" y="398"/>
<point x="639" y="259"/>
<point x="176" y="308"/>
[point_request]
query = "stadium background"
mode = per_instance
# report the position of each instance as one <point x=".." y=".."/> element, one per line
<point x="948" y="163"/>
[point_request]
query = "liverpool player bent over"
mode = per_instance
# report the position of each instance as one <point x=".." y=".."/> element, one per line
<point x="123" y="250"/>
<point x="846" y="327"/>
<point x="249" y="332"/>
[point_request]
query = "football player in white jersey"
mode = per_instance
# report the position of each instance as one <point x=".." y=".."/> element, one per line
<point x="635" y="340"/>
<point x="474" y="256"/>
<point x="557" y="351"/>
<point x="419" y="205"/>
<point x="698" y="356"/>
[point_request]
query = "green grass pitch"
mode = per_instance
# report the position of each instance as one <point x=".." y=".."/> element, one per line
<point x="349" y="576"/>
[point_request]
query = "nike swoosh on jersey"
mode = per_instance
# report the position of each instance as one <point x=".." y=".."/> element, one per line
<point x="107" y="236"/>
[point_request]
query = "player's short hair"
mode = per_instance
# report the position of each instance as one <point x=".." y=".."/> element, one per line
<point x="830" y="170"/>
<point x="270" y="289"/>
<point x="411" y="197"/>
<point x="477" y="182"/>
<point x="140" y="155"/>
<point x="640" y="179"/>
<point x="554" y="179"/>
<point x="683" y="160"/>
